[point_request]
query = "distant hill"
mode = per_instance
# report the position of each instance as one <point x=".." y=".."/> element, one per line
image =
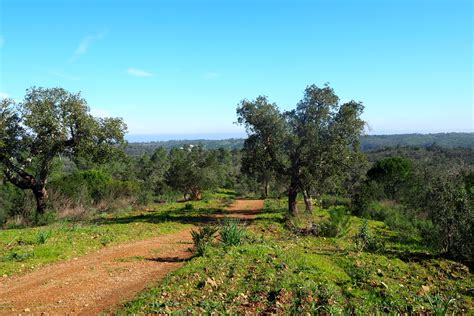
<point x="445" y="140"/>
<point x="369" y="142"/>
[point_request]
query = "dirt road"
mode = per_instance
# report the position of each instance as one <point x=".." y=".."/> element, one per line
<point x="101" y="280"/>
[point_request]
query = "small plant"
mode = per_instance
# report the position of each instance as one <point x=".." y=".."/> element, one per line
<point x="440" y="306"/>
<point x="338" y="223"/>
<point x="45" y="219"/>
<point x="189" y="206"/>
<point x="202" y="239"/>
<point x="15" y="256"/>
<point x="365" y="241"/>
<point x="232" y="233"/>
<point x="42" y="237"/>
<point x="105" y="240"/>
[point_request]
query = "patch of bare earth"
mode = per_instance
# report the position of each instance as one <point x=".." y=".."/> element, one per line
<point x="97" y="282"/>
<point x="244" y="209"/>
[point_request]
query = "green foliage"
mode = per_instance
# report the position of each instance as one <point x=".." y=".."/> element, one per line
<point x="43" y="236"/>
<point x="192" y="170"/>
<point x="307" y="147"/>
<point x="369" y="143"/>
<point x="284" y="274"/>
<point x="47" y="124"/>
<point x="334" y="200"/>
<point x="12" y="202"/>
<point x="17" y="257"/>
<point x="364" y="240"/>
<point x="90" y="187"/>
<point x="399" y="219"/>
<point x="338" y="224"/>
<point x="96" y="182"/>
<point x="441" y="306"/>
<point x="451" y="209"/>
<point x="45" y="218"/>
<point x="444" y="140"/>
<point x="203" y="238"/>
<point x="391" y="173"/>
<point x="232" y="232"/>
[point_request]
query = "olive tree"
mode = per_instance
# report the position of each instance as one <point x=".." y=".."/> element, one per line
<point x="48" y="123"/>
<point x="192" y="169"/>
<point x="308" y="146"/>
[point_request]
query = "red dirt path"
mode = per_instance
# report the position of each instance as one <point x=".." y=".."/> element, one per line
<point x="106" y="278"/>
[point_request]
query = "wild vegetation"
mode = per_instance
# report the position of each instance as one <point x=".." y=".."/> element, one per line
<point x="368" y="142"/>
<point x="388" y="230"/>
<point x="276" y="270"/>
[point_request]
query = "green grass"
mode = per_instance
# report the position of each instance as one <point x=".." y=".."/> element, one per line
<point x="278" y="272"/>
<point x="23" y="250"/>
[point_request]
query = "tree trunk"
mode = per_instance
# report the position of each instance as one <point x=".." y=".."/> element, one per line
<point x="308" y="201"/>
<point x="265" y="193"/>
<point x="292" y="195"/>
<point x="41" y="195"/>
<point x="196" y="195"/>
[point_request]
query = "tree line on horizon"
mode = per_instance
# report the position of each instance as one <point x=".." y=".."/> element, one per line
<point x="368" y="142"/>
<point x="59" y="161"/>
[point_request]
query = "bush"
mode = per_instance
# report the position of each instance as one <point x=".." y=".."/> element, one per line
<point x="365" y="241"/>
<point x="396" y="217"/>
<point x="232" y="233"/>
<point x="16" y="206"/>
<point x="333" y="200"/>
<point x="42" y="237"/>
<point x="441" y="306"/>
<point x="83" y="189"/>
<point x="202" y="239"/>
<point x="338" y="223"/>
<point x="189" y="206"/>
<point x="451" y="209"/>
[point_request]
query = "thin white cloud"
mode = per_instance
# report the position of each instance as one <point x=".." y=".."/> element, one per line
<point x="138" y="72"/>
<point x="4" y="95"/>
<point x="2" y="41"/>
<point x="63" y="75"/>
<point x="85" y="44"/>
<point x="210" y="75"/>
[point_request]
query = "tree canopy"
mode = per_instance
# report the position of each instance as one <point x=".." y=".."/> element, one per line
<point x="49" y="123"/>
<point x="307" y="146"/>
<point x="192" y="169"/>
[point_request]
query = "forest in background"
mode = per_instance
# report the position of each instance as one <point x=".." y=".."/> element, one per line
<point x="368" y="142"/>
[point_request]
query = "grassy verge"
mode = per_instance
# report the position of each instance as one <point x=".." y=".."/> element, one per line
<point x="277" y="271"/>
<point x="23" y="250"/>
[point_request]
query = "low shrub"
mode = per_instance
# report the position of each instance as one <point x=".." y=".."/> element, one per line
<point x="333" y="200"/>
<point x="441" y="306"/>
<point x="364" y="240"/>
<point x="396" y="217"/>
<point x="42" y="237"/>
<point x="202" y="239"/>
<point x="232" y="232"/>
<point x="338" y="223"/>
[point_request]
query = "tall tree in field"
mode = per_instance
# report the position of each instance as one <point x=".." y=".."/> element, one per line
<point x="47" y="124"/>
<point x="315" y="142"/>
<point x="192" y="169"/>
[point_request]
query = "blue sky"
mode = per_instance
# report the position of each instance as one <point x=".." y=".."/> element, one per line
<point x="178" y="68"/>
